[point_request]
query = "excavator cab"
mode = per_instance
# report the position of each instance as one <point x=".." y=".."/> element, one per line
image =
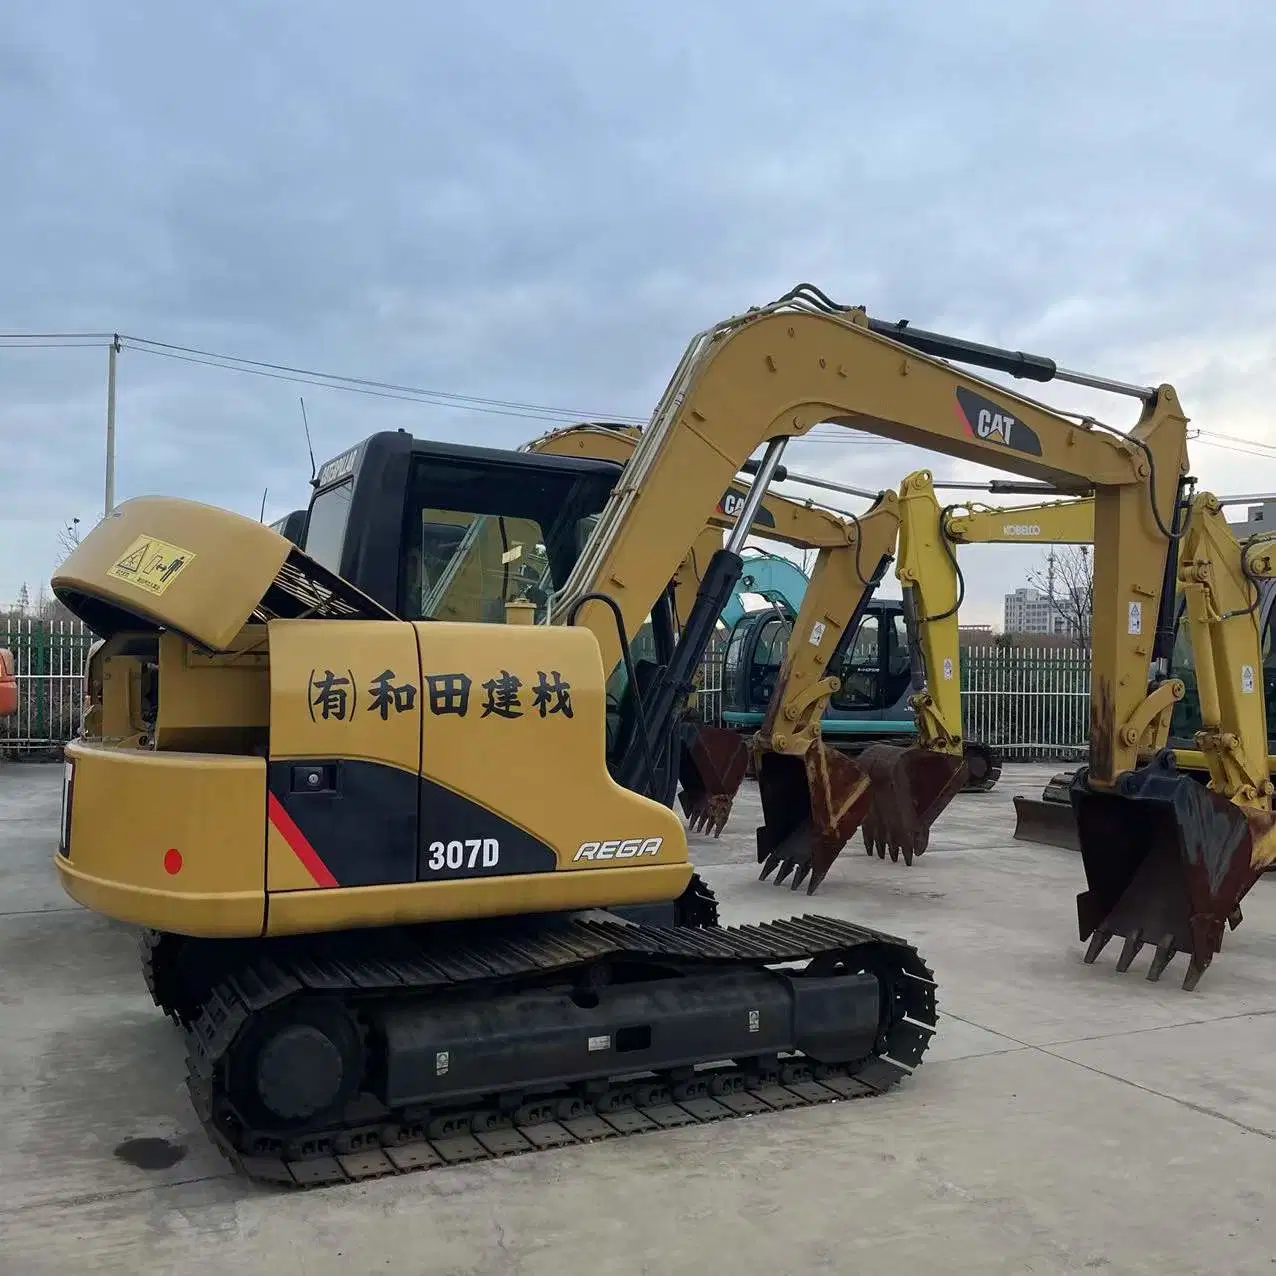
<point x="292" y="527"/>
<point x="448" y="532"/>
<point x="871" y="664"/>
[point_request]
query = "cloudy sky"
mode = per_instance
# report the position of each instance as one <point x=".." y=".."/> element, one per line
<point x="541" y="204"/>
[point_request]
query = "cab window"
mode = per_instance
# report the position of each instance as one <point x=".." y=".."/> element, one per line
<point x="860" y="668"/>
<point x="482" y="536"/>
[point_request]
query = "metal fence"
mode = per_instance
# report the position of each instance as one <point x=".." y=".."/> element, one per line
<point x="1032" y="704"/>
<point x="49" y="656"/>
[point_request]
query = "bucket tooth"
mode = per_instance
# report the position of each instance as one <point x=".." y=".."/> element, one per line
<point x="1098" y="942"/>
<point x="785" y="869"/>
<point x="1129" y="951"/>
<point x="1193" y="977"/>
<point x="816" y="878"/>
<point x="769" y="866"/>
<point x="803" y="871"/>
<point x="1235" y="917"/>
<point x="1165" y="951"/>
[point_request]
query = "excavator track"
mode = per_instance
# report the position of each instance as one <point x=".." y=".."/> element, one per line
<point x="377" y="977"/>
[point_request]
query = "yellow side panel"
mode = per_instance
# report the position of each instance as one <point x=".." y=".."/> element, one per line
<point x="344" y="695"/>
<point x="303" y="912"/>
<point x="173" y="841"/>
<point x="345" y="688"/>
<point x="515" y="720"/>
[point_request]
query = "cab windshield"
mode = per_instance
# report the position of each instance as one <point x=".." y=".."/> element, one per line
<point x="482" y="536"/>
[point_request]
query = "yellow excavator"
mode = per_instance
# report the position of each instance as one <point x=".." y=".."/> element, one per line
<point x="368" y="851"/>
<point x="805" y="827"/>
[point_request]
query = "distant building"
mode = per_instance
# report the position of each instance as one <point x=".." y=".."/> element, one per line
<point x="976" y="635"/>
<point x="1261" y="518"/>
<point x="1029" y="611"/>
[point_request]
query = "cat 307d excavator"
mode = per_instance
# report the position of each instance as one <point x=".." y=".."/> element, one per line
<point x="366" y="848"/>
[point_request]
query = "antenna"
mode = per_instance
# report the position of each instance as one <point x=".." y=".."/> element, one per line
<point x="309" y="446"/>
<point x="261" y="518"/>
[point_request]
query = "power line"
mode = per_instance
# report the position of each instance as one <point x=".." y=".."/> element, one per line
<point x="60" y="336"/>
<point x="367" y="385"/>
<point x="1243" y="451"/>
<point x="51" y="343"/>
<point x="550" y="414"/>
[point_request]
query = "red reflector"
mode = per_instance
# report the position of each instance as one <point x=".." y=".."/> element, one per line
<point x="172" y="862"/>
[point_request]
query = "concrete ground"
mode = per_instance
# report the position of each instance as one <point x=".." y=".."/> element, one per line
<point x="1067" y="1118"/>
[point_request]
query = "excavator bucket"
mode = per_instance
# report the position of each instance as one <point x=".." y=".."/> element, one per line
<point x="1167" y="863"/>
<point x="910" y="787"/>
<point x="713" y="764"/>
<point x="811" y="806"/>
<point x="1049" y="819"/>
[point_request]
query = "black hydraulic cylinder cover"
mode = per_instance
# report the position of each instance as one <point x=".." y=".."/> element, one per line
<point x="545" y="1038"/>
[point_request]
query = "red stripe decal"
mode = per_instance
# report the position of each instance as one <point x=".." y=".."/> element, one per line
<point x="296" y="839"/>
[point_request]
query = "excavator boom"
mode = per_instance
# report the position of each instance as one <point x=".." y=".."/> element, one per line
<point x="714" y="760"/>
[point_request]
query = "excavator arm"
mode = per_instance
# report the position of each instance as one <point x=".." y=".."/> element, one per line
<point x="909" y="787"/>
<point x="934" y="589"/>
<point x="1170" y="859"/>
<point x="772" y="374"/>
<point x="813" y="797"/>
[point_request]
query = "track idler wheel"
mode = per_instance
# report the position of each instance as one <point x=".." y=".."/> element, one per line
<point x="910" y="788"/>
<point x="811" y="806"/>
<point x="1167" y="863"/>
<point x="296" y="1067"/>
<point x="714" y="761"/>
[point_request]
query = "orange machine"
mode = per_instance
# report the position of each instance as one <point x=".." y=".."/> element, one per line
<point x="8" y="684"/>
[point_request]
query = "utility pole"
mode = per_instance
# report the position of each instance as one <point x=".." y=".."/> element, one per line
<point x="110" y="424"/>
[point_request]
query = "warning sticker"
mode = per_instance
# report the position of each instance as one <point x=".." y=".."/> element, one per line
<point x="150" y="564"/>
<point x="1136" y="618"/>
<point x="817" y="633"/>
<point x="1247" y="680"/>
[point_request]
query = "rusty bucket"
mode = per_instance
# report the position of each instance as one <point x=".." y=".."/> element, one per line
<point x="1167" y="863"/>
<point x="811" y="805"/>
<point x="712" y="768"/>
<point x="910" y="788"/>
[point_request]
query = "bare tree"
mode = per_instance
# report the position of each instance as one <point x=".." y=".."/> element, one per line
<point x="1067" y="577"/>
<point x="68" y="539"/>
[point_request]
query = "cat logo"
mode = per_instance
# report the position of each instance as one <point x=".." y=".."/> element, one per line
<point x="732" y="503"/>
<point x="989" y="422"/>
<point x="994" y="426"/>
